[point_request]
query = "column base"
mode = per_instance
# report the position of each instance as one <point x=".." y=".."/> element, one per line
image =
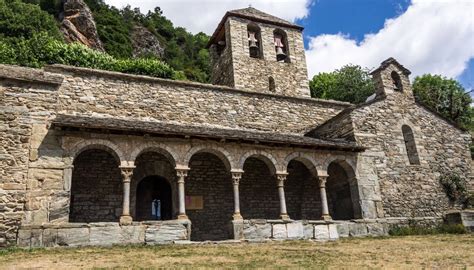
<point x="285" y="217"/>
<point x="237" y="216"/>
<point x="126" y="220"/>
<point x="326" y="217"/>
<point x="183" y="217"/>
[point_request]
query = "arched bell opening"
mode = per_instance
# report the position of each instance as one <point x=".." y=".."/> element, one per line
<point x="342" y="192"/>
<point x="254" y="41"/>
<point x="302" y="192"/>
<point x="154" y="199"/>
<point x="96" y="187"/>
<point x="258" y="190"/>
<point x="209" y="197"/>
<point x="281" y="46"/>
<point x="154" y="185"/>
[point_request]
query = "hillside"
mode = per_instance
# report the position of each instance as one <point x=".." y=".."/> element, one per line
<point x="121" y="39"/>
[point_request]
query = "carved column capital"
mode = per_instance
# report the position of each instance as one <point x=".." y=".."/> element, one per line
<point x="322" y="179"/>
<point x="236" y="176"/>
<point x="181" y="172"/>
<point x="127" y="173"/>
<point x="281" y="178"/>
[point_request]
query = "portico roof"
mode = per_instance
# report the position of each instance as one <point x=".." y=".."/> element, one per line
<point x="113" y="125"/>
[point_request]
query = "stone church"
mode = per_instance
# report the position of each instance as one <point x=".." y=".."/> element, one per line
<point x="92" y="157"/>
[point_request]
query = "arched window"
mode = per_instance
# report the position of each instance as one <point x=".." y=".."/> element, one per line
<point x="271" y="84"/>
<point x="281" y="45"/>
<point x="410" y="145"/>
<point x="255" y="41"/>
<point x="397" y="82"/>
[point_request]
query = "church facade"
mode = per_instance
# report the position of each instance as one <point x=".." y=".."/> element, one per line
<point x="92" y="157"/>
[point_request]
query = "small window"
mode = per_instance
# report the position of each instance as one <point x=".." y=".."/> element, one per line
<point x="255" y="41"/>
<point x="397" y="82"/>
<point x="410" y="145"/>
<point x="281" y="46"/>
<point x="271" y="84"/>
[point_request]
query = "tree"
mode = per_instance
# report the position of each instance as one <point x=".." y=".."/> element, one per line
<point x="351" y="83"/>
<point x="445" y="96"/>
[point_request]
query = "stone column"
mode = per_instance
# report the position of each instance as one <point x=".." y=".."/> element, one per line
<point x="182" y="173"/>
<point x="324" y="200"/>
<point x="236" y="176"/>
<point x="127" y="172"/>
<point x="281" y="177"/>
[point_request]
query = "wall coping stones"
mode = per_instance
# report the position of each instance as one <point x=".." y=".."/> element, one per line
<point x="56" y="68"/>
<point x="29" y="75"/>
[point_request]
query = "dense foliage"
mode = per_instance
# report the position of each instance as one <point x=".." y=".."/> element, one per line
<point x="445" y="96"/>
<point x="29" y="36"/>
<point x="351" y="83"/>
<point x="183" y="51"/>
<point x="41" y="49"/>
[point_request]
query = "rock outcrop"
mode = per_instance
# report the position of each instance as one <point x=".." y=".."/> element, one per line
<point x="78" y="25"/>
<point x="145" y="43"/>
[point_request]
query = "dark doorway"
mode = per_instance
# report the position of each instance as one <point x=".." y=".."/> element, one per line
<point x="153" y="199"/>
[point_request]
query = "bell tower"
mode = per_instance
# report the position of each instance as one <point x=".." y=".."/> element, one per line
<point x="258" y="52"/>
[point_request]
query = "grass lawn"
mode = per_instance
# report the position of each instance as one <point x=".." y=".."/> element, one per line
<point x="429" y="251"/>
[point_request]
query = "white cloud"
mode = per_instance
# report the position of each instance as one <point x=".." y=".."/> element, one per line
<point x="204" y="15"/>
<point x="430" y="37"/>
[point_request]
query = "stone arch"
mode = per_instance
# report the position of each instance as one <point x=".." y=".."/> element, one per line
<point x="100" y="144"/>
<point x="281" y="43"/>
<point x="348" y="165"/>
<point x="255" y="45"/>
<point x="163" y="149"/>
<point x="342" y="190"/>
<point x="301" y="187"/>
<point x="267" y="158"/>
<point x="220" y="152"/>
<point x="307" y="160"/>
<point x="396" y="81"/>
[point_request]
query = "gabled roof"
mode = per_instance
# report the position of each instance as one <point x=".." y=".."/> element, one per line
<point x="389" y="61"/>
<point x="251" y="14"/>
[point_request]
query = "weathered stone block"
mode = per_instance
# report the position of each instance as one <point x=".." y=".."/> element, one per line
<point x="321" y="232"/>
<point x="333" y="233"/>
<point x="50" y="237"/>
<point x="73" y="237"/>
<point x="105" y="235"/>
<point x="295" y="230"/>
<point x="279" y="231"/>
<point x="132" y="234"/>
<point x="342" y="229"/>
<point x="376" y="229"/>
<point x="257" y="231"/>
<point x="308" y="231"/>
<point x="165" y="233"/>
<point x="24" y="236"/>
<point x="357" y="229"/>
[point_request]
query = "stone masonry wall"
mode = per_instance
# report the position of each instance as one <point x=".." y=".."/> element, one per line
<point x="253" y="73"/>
<point x="24" y="109"/>
<point x="96" y="189"/>
<point x="408" y="190"/>
<point x="258" y="191"/>
<point x="302" y="193"/>
<point x="210" y="179"/>
<point x="100" y="92"/>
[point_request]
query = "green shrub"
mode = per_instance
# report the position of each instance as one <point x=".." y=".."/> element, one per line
<point x="422" y="230"/>
<point x="454" y="187"/>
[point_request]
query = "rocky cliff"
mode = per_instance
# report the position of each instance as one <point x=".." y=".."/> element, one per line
<point x="78" y="24"/>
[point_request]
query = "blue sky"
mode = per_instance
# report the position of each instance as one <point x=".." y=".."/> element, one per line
<point x="426" y="36"/>
<point x="357" y="20"/>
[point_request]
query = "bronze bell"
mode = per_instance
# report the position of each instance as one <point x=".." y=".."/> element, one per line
<point x="252" y="40"/>
<point x="280" y="54"/>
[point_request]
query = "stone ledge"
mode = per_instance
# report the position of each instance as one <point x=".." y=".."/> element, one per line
<point x="29" y="75"/>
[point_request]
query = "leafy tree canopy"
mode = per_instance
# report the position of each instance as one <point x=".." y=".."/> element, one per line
<point x="351" y="83"/>
<point x="445" y="96"/>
